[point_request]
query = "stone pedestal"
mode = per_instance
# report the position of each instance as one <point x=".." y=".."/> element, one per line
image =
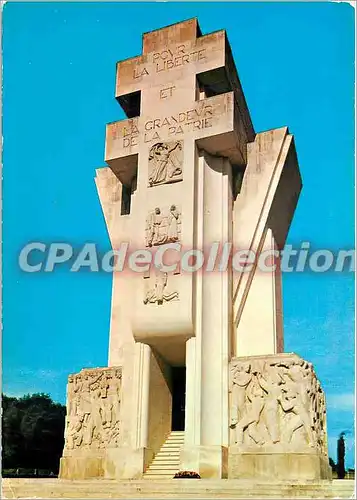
<point x="85" y="465"/>
<point x="93" y="423"/>
<point x="211" y="462"/>
<point x="278" y="466"/>
<point x="277" y="420"/>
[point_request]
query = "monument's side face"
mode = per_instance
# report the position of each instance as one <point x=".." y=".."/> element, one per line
<point x="186" y="171"/>
<point x="92" y="422"/>
<point x="277" y="419"/>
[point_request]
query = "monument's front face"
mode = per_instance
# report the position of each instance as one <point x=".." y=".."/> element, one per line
<point x="187" y="172"/>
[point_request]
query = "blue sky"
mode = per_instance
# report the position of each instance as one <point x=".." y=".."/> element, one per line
<point x="296" y="65"/>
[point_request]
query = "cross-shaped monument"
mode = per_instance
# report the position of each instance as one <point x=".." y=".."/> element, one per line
<point x="204" y="383"/>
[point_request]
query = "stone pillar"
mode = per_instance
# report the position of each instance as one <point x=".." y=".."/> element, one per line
<point x="213" y="309"/>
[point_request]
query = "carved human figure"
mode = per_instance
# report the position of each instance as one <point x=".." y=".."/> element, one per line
<point x="74" y="434"/>
<point x="292" y="402"/>
<point x="96" y="421"/>
<point x="251" y="417"/>
<point x="154" y="228"/>
<point x="104" y="385"/>
<point x="106" y="414"/>
<point x="117" y="397"/>
<point x="271" y="382"/>
<point x="162" y="228"/>
<point x="270" y="403"/>
<point x="71" y="396"/>
<point x="159" y="294"/>
<point x="240" y="378"/>
<point x="172" y="234"/>
<point x="164" y="165"/>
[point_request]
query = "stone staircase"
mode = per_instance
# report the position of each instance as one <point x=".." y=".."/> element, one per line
<point x="175" y="489"/>
<point x="167" y="461"/>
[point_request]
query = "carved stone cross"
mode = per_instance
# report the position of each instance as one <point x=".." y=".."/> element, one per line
<point x="178" y="90"/>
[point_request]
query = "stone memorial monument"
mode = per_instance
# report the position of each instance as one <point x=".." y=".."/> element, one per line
<point x="197" y="377"/>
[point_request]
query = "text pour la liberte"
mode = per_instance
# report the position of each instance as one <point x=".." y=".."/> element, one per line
<point x="168" y="59"/>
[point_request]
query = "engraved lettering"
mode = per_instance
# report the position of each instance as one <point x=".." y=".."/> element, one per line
<point x="140" y="72"/>
<point x="167" y="92"/>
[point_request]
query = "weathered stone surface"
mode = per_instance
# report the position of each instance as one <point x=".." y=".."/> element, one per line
<point x="176" y="488"/>
<point x="277" y="419"/>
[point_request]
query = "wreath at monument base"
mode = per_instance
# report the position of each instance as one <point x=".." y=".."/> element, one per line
<point x="187" y="474"/>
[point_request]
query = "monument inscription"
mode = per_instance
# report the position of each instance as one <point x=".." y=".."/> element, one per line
<point x="202" y="119"/>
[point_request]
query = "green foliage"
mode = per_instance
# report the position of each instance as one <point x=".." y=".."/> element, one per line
<point x="332" y="464"/>
<point x="32" y="432"/>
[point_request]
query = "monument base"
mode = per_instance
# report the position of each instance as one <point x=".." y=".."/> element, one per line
<point x="209" y="461"/>
<point x="183" y="488"/>
<point x="87" y="466"/>
<point x="126" y="463"/>
<point x="278" y="466"/>
<point x="112" y="463"/>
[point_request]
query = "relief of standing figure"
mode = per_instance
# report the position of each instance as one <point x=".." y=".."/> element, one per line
<point x="163" y="228"/>
<point x="251" y="417"/>
<point x="271" y="382"/>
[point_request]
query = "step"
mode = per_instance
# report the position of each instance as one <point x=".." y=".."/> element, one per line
<point x="165" y="472"/>
<point x="168" y="454"/>
<point x="164" y="486"/>
<point x="156" y="477"/>
<point x="162" y="466"/>
<point x="171" y="448"/>
<point x="167" y="461"/>
<point x="159" y="474"/>
<point x="171" y="459"/>
<point x="168" y="444"/>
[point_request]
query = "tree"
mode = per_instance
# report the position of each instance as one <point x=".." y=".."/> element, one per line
<point x="341" y="456"/>
<point x="332" y="464"/>
<point x="32" y="432"/>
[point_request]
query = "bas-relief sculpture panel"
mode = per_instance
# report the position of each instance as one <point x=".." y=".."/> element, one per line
<point x="93" y="409"/>
<point x="165" y="163"/>
<point x="157" y="291"/>
<point x="163" y="226"/>
<point x="276" y="404"/>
